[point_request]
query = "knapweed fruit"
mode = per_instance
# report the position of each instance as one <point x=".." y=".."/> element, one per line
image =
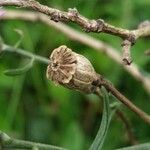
<point x="71" y="70"/>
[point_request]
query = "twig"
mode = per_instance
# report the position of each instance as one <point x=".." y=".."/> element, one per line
<point x="126" y="45"/>
<point x="7" y="48"/>
<point x="82" y="38"/>
<point x="89" y="26"/>
<point x="100" y="82"/>
<point x="74" y="16"/>
<point x="10" y="143"/>
<point x="122" y="98"/>
<point x="127" y="125"/>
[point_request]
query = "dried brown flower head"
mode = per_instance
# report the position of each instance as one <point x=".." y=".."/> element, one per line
<point x="71" y="70"/>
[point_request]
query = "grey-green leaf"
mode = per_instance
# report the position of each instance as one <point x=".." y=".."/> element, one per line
<point x="20" y="33"/>
<point x="18" y="71"/>
<point x="145" y="146"/>
<point x="102" y="132"/>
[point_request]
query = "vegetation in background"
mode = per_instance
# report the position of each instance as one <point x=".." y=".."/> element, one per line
<point x="33" y="108"/>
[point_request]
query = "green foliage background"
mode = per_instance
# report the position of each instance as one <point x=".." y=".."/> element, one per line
<point x="33" y="108"/>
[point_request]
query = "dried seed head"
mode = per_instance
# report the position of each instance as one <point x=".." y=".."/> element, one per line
<point x="71" y="70"/>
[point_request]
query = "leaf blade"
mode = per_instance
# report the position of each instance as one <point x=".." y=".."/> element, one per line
<point x="144" y="146"/>
<point x="19" y="71"/>
<point x="102" y="132"/>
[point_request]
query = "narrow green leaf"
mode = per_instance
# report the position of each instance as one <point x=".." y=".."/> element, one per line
<point x="20" y="33"/>
<point x="102" y="132"/>
<point x="18" y="71"/>
<point x="114" y="105"/>
<point x="145" y="146"/>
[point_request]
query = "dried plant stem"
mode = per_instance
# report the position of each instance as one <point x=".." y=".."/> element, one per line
<point x="124" y="100"/>
<point x="126" y="45"/>
<point x="74" y="16"/>
<point x="82" y="38"/>
<point x="102" y="81"/>
<point x="88" y="25"/>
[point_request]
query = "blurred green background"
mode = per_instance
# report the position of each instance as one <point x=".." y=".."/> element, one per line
<point x="33" y="108"/>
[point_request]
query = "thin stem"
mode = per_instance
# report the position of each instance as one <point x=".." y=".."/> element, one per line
<point x="11" y="49"/>
<point x="102" y="81"/>
<point x="124" y="100"/>
<point x="83" y="38"/>
<point x="7" y="142"/>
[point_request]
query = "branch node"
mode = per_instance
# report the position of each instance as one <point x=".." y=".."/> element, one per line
<point x="56" y="16"/>
<point x="132" y="38"/>
<point x="94" y="26"/>
<point x="90" y="26"/>
<point x="73" y="14"/>
<point x="101" y="82"/>
<point x="100" y="25"/>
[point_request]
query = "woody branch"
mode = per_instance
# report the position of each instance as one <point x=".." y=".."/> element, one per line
<point x="83" y="38"/>
<point x="101" y="82"/>
<point x="129" y="36"/>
